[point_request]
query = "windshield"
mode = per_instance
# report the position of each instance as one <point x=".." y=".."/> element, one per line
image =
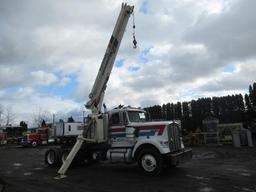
<point x="137" y="116"/>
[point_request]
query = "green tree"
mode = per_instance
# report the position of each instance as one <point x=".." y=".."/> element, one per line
<point x="168" y="111"/>
<point x="186" y="119"/>
<point x="252" y="95"/>
<point x="178" y="111"/>
<point x="71" y="120"/>
<point x="24" y="126"/>
<point x="164" y="111"/>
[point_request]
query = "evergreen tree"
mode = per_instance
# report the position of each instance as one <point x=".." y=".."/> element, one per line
<point x="168" y="111"/>
<point x="216" y="107"/>
<point x="185" y="120"/>
<point x="71" y="120"/>
<point x="164" y="112"/>
<point x="185" y="110"/>
<point x="252" y="92"/>
<point x="178" y="111"/>
<point x="248" y="103"/>
<point x="24" y="126"/>
<point x="228" y="109"/>
<point x="172" y="115"/>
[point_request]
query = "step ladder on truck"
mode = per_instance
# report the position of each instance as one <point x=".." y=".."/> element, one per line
<point x="124" y="134"/>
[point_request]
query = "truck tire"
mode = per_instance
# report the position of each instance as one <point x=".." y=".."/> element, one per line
<point x="77" y="161"/>
<point x="52" y="157"/>
<point x="64" y="154"/>
<point x="34" y="143"/>
<point x="150" y="161"/>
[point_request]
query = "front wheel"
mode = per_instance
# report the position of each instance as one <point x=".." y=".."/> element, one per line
<point x="34" y="143"/>
<point x="150" y="161"/>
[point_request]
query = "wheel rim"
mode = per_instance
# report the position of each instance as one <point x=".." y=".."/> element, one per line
<point x="148" y="163"/>
<point x="50" y="157"/>
<point x="34" y="143"/>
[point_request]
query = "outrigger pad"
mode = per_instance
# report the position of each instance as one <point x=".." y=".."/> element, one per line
<point x="58" y="177"/>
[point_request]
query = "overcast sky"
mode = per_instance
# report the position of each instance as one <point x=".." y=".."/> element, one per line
<point x="50" y="52"/>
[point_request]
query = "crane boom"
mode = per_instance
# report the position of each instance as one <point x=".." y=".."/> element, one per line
<point x="98" y="90"/>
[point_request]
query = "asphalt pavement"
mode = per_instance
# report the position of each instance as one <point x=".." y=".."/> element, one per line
<point x="222" y="168"/>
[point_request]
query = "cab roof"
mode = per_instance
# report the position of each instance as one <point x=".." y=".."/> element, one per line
<point x="128" y="108"/>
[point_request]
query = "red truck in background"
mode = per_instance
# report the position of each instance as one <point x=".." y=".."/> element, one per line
<point x="59" y="133"/>
<point x="37" y="138"/>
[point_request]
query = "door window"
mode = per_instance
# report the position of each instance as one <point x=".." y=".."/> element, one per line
<point x="115" y="119"/>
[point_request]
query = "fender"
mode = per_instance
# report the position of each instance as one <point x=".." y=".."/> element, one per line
<point x="153" y="142"/>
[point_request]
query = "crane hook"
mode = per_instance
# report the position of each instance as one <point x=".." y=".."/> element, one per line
<point x="133" y="34"/>
<point x="134" y="42"/>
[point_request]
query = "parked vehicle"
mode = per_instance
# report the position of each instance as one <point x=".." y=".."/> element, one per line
<point x="34" y="139"/>
<point x="59" y="133"/>
<point x="66" y="133"/>
<point x="13" y="133"/>
<point x="124" y="134"/>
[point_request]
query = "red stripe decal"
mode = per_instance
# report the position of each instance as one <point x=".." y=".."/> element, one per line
<point x="159" y="128"/>
<point x="118" y="129"/>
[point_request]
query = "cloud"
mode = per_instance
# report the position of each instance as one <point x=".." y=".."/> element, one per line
<point x="26" y="101"/>
<point x="239" y="79"/>
<point x="230" y="35"/>
<point x="184" y="47"/>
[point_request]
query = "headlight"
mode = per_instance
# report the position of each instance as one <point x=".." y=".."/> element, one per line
<point x="164" y="143"/>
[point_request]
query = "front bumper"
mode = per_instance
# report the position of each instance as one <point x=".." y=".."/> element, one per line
<point x="180" y="157"/>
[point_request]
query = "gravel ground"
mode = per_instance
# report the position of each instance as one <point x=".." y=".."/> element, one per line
<point x="222" y="168"/>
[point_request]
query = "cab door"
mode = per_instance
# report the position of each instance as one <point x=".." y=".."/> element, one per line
<point x="120" y="133"/>
<point x="117" y="126"/>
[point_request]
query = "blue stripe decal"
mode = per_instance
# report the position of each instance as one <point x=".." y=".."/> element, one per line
<point x="150" y="133"/>
<point x="141" y="134"/>
<point x="118" y="135"/>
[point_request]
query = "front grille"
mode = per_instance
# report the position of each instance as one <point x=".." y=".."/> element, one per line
<point x="174" y="137"/>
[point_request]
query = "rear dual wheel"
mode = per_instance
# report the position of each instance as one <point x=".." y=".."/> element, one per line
<point x="64" y="155"/>
<point x="55" y="157"/>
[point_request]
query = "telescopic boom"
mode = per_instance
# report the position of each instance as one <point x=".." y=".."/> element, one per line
<point x="98" y="90"/>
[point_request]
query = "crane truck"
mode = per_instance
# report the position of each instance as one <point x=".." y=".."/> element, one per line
<point x="124" y="134"/>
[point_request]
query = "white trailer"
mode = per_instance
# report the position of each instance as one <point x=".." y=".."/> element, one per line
<point x="68" y="129"/>
<point x="66" y="132"/>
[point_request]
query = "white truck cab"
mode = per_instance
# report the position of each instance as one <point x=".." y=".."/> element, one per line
<point x="134" y="137"/>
